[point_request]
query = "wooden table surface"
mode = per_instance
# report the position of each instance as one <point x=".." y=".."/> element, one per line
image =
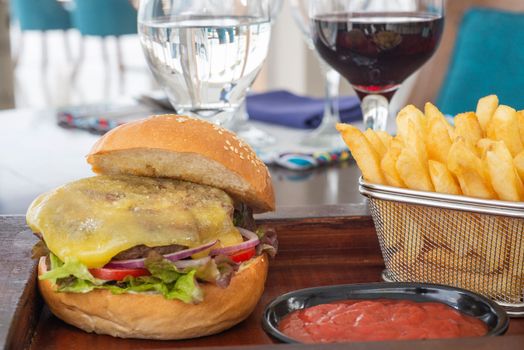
<point x="313" y="252"/>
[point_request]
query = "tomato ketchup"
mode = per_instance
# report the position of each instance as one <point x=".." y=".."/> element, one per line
<point x="376" y="320"/>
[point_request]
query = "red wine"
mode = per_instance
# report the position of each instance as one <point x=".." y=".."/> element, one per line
<point x="376" y="52"/>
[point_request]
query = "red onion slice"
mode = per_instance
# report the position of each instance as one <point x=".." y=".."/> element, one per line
<point x="184" y="264"/>
<point x="246" y="233"/>
<point x="188" y="252"/>
<point x="126" y="264"/>
<point x="250" y="243"/>
<point x="139" y="263"/>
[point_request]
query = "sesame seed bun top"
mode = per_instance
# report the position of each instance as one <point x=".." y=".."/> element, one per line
<point x="188" y="149"/>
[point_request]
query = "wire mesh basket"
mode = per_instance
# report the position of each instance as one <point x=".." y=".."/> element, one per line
<point x="459" y="241"/>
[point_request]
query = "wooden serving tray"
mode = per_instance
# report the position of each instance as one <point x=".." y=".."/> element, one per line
<point x="313" y="252"/>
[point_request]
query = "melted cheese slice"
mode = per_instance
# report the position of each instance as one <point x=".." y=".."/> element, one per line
<point x="94" y="219"/>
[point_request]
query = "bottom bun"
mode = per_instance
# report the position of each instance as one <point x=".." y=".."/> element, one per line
<point x="151" y="316"/>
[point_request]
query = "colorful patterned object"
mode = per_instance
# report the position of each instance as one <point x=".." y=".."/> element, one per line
<point x="95" y="125"/>
<point x="303" y="161"/>
<point x="99" y="119"/>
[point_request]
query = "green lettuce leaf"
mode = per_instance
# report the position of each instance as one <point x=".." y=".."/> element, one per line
<point x="186" y="289"/>
<point x="268" y="241"/>
<point x="161" y="268"/>
<point x="75" y="285"/>
<point x="71" y="267"/>
<point x="73" y="277"/>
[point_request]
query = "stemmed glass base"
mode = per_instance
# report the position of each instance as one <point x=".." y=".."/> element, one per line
<point x="375" y="109"/>
<point x="252" y="135"/>
<point x="221" y="117"/>
<point x="255" y="137"/>
<point x="326" y="135"/>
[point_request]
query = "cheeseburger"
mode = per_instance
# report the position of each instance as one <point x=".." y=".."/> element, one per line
<point x="162" y="243"/>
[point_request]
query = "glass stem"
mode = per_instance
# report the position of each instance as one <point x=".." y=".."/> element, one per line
<point x="375" y="109"/>
<point x="331" y="104"/>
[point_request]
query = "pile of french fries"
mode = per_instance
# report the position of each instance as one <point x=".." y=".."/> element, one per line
<point x="481" y="155"/>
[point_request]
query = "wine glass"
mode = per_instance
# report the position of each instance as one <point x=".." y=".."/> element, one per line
<point x="205" y="53"/>
<point x="326" y="135"/>
<point x="254" y="136"/>
<point x="376" y="45"/>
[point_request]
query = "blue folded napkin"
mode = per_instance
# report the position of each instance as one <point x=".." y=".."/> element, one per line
<point x="284" y="108"/>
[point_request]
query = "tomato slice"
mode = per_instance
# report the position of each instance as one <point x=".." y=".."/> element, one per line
<point x="243" y="255"/>
<point x="117" y="274"/>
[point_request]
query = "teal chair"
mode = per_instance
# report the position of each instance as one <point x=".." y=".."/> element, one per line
<point x="104" y="18"/>
<point x="42" y="16"/>
<point x="488" y="58"/>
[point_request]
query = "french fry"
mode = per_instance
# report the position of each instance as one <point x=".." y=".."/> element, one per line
<point x="485" y="108"/>
<point x="467" y="126"/>
<point x="469" y="170"/>
<point x="433" y="113"/>
<point x="376" y="142"/>
<point x="393" y="228"/>
<point x="449" y="260"/>
<point x="504" y="177"/>
<point x="473" y="184"/>
<point x="413" y="239"/>
<point x="438" y="140"/>
<point x="482" y="268"/>
<point x="443" y="179"/>
<point x="398" y="266"/>
<point x="412" y="172"/>
<point x="481" y="156"/>
<point x="413" y="114"/>
<point x="516" y="251"/>
<point x="493" y="285"/>
<point x="504" y="126"/>
<point x="487" y="239"/>
<point x="443" y="231"/>
<point x="366" y="157"/>
<point x="385" y="137"/>
<point x="483" y="146"/>
<point x="519" y="164"/>
<point x="415" y="141"/>
<point x="481" y="237"/>
<point x="521" y="125"/>
<point x="389" y="164"/>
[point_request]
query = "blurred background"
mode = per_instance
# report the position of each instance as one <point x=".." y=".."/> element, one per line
<point x="56" y="53"/>
<point x="59" y="53"/>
